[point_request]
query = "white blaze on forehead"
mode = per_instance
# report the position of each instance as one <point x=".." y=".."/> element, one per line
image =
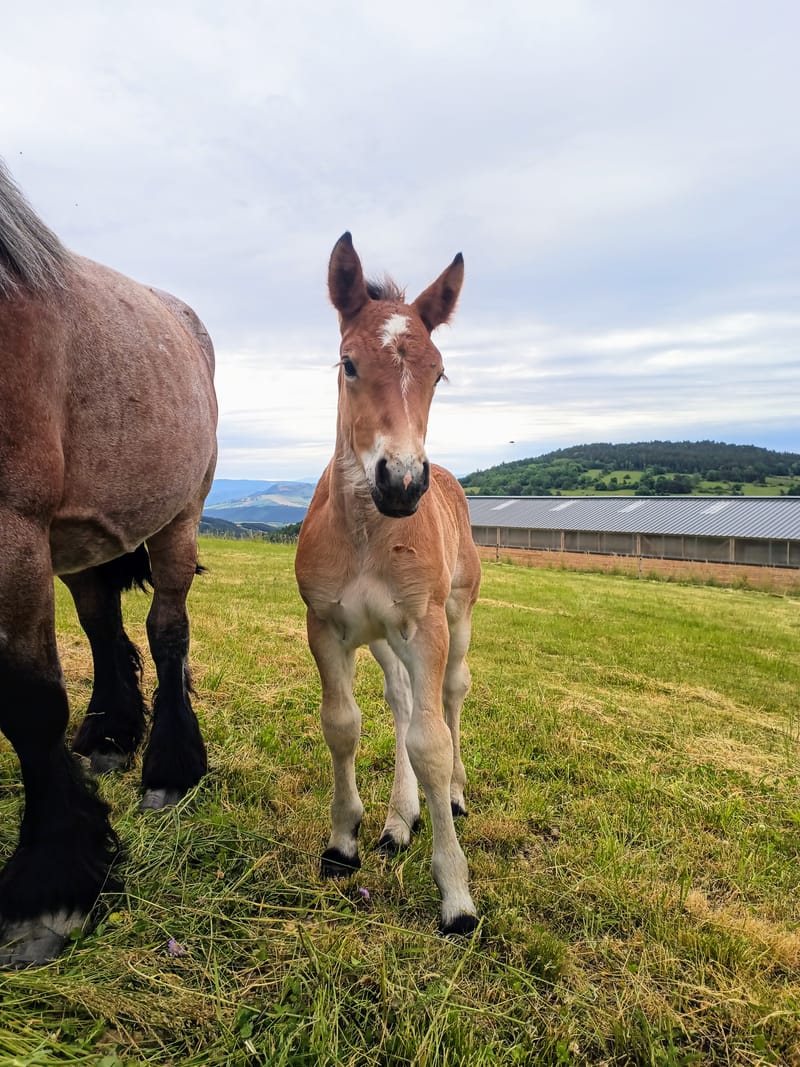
<point x="393" y="329"/>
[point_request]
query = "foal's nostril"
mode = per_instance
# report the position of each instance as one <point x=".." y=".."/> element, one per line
<point x="426" y="476"/>
<point x="382" y="480"/>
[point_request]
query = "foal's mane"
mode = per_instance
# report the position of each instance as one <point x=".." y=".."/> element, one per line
<point x="31" y="256"/>
<point x="386" y="288"/>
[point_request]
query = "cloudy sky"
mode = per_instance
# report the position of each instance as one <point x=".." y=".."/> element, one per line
<point x="621" y="177"/>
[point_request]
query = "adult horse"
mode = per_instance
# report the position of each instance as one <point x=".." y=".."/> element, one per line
<point x="386" y="558"/>
<point x="107" y="445"/>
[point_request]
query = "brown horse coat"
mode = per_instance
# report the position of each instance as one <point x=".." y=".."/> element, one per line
<point x="386" y="558"/>
<point x="107" y="444"/>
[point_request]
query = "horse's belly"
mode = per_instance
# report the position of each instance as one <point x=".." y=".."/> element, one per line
<point x="77" y="543"/>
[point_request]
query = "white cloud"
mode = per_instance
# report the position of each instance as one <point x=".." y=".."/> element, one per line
<point x="621" y="179"/>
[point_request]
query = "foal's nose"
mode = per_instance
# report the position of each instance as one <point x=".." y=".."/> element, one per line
<point x="399" y="486"/>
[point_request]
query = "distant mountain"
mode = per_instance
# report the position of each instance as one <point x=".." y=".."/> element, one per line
<point x="643" y="468"/>
<point x="236" y="490"/>
<point x="222" y="528"/>
<point x="274" y="503"/>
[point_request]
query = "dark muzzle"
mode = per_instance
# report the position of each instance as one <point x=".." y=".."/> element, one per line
<point x="396" y="497"/>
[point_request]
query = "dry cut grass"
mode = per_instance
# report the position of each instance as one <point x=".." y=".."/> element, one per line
<point x="633" y="838"/>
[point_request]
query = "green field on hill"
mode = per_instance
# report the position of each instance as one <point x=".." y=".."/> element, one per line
<point x="632" y="751"/>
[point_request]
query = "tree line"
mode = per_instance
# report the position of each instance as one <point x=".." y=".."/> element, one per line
<point x="648" y="468"/>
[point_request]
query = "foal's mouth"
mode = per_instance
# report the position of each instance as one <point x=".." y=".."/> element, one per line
<point x="393" y="512"/>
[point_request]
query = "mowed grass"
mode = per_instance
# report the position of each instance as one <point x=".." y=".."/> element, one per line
<point x="633" y="838"/>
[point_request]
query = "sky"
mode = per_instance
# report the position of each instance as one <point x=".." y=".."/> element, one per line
<point x="621" y="178"/>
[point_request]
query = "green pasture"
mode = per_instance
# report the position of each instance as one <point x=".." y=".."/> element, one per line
<point x="633" y="838"/>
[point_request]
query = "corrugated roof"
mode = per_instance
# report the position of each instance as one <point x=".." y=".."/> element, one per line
<point x="764" y="517"/>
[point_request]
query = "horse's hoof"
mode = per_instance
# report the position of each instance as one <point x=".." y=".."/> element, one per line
<point x="462" y="924"/>
<point x="158" y="799"/>
<point x="106" y="762"/>
<point x="32" y="942"/>
<point x="334" y="864"/>
<point x="390" y="846"/>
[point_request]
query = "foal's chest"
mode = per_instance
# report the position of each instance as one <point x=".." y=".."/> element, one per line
<point x="365" y="605"/>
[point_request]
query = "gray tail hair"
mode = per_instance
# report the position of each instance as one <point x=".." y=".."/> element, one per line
<point x="31" y="256"/>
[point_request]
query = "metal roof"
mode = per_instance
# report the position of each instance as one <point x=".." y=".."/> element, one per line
<point x="763" y="517"/>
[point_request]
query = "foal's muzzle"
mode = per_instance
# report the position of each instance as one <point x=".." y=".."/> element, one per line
<point x="397" y="493"/>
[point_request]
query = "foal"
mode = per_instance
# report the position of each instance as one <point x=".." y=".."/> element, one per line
<point x="386" y="558"/>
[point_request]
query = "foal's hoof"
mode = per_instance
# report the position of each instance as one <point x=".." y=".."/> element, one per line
<point x="391" y="844"/>
<point x="334" y="864"/>
<point x="31" y="942"/>
<point x="157" y="799"/>
<point x="460" y="925"/>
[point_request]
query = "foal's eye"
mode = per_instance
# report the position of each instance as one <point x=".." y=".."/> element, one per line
<point x="441" y="376"/>
<point x="349" y="368"/>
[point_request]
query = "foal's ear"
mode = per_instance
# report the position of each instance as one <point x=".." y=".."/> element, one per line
<point x="346" y="285"/>
<point x="436" y="304"/>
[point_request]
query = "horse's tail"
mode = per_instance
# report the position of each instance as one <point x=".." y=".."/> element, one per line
<point x="125" y="572"/>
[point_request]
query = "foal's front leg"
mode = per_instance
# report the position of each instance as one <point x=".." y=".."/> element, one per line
<point x="430" y="749"/>
<point x="341" y="726"/>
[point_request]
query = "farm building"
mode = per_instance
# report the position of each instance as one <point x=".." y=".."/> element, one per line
<point x="755" y="531"/>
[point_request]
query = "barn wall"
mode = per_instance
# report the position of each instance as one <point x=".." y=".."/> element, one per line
<point x="769" y="579"/>
<point x="687" y="547"/>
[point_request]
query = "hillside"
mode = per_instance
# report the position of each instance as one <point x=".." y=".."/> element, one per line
<point x="644" y="468"/>
<point x="273" y="503"/>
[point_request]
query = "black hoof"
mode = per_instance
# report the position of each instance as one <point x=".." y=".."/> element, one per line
<point x="389" y="846"/>
<point x="462" y="924"/>
<point x="106" y="762"/>
<point x="458" y="810"/>
<point x="334" y="864"/>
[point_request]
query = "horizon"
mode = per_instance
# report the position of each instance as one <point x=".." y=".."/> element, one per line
<point x="521" y="459"/>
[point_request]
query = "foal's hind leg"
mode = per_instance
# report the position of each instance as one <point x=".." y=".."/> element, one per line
<point x="403" y="816"/>
<point x="66" y="845"/>
<point x="175" y="757"/>
<point x="430" y="748"/>
<point x="456" y="686"/>
<point x="115" y="719"/>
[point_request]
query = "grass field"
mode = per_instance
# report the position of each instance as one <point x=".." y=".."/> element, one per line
<point x="634" y="844"/>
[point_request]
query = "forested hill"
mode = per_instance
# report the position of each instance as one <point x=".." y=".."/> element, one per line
<point x="643" y="468"/>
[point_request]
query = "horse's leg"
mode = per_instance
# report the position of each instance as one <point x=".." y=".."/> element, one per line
<point x="341" y="727"/>
<point x="403" y="815"/>
<point x="430" y="748"/>
<point x="175" y="757"/>
<point x="114" y="724"/>
<point x="456" y="686"/>
<point x="66" y="845"/>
